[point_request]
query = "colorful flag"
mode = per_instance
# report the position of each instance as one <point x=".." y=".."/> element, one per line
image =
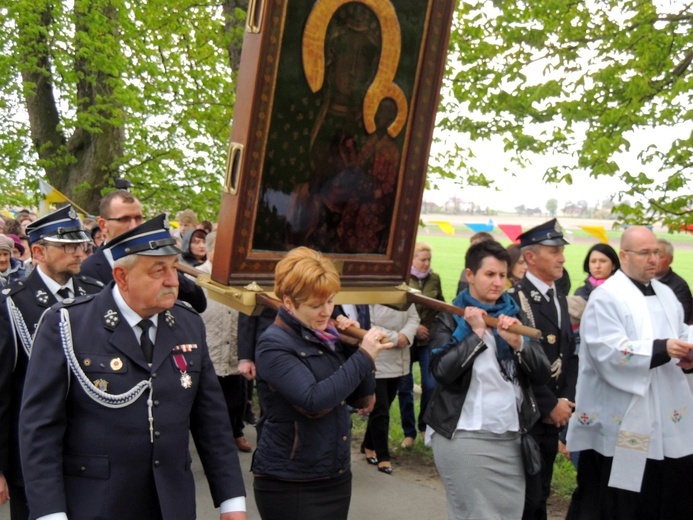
<point x="50" y="196"/>
<point x="597" y="231"/>
<point x="476" y="227"/>
<point x="512" y="231"/>
<point x="444" y="226"/>
<point x="53" y="196"/>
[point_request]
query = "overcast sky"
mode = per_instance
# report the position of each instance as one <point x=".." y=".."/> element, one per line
<point x="527" y="186"/>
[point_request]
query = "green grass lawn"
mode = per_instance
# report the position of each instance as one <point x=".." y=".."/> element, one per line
<point x="448" y="257"/>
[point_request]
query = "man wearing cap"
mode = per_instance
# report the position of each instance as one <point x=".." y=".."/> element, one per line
<point x="633" y="423"/>
<point x="58" y="245"/>
<point x="119" y="381"/>
<point x="119" y="212"/>
<point x="547" y="309"/>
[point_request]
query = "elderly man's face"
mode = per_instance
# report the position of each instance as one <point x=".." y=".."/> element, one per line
<point x="664" y="261"/>
<point x="4" y="259"/>
<point x="546" y="262"/>
<point x="150" y="285"/>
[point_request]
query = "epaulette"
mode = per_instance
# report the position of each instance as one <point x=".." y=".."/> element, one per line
<point x="511" y="290"/>
<point x="88" y="279"/>
<point x="11" y="289"/>
<point x="70" y="302"/>
<point x="185" y="305"/>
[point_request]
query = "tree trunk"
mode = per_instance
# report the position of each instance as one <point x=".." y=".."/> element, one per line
<point x="81" y="166"/>
<point x="231" y="26"/>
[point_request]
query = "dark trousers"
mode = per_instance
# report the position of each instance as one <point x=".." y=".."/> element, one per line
<point x="405" y="394"/>
<point x="538" y="487"/>
<point x="234" y="388"/>
<point x="664" y="495"/>
<point x="378" y="428"/>
<point x="316" y="500"/>
<point x="19" y="509"/>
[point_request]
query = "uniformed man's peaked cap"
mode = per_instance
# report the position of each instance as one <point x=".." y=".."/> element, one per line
<point x="549" y="234"/>
<point x="150" y="238"/>
<point x="61" y="225"/>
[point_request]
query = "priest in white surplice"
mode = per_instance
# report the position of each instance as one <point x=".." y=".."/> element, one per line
<point x="633" y="422"/>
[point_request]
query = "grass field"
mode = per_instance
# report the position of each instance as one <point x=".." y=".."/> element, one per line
<point x="448" y="256"/>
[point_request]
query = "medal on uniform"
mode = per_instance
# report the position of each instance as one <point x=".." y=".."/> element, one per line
<point x="101" y="384"/>
<point x="182" y="366"/>
<point x="116" y="364"/>
<point x="551" y="338"/>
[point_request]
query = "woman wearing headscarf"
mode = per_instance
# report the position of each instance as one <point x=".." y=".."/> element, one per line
<point x="194" y="248"/>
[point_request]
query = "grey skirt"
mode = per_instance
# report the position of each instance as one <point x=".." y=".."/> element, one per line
<point x="483" y="474"/>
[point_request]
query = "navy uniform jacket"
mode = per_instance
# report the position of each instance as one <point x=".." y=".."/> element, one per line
<point x="558" y="344"/>
<point x="32" y="298"/>
<point x="92" y="461"/>
<point x="97" y="267"/>
<point x="680" y="287"/>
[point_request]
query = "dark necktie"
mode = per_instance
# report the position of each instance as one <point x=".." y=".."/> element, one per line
<point x="63" y="292"/>
<point x="364" y="316"/>
<point x="552" y="306"/>
<point x="145" y="340"/>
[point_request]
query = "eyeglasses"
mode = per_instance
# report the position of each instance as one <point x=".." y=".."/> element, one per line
<point x="645" y="252"/>
<point x="126" y="220"/>
<point x="72" y="248"/>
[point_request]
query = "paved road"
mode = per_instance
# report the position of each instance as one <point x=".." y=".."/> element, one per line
<point x="376" y="496"/>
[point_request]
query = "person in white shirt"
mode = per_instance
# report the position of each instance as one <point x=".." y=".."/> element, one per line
<point x="633" y="421"/>
<point x="483" y="397"/>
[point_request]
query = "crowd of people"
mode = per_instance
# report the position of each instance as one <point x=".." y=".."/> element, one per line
<point x="110" y="358"/>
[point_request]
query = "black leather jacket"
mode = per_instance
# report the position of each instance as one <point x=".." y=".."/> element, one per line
<point x="452" y="370"/>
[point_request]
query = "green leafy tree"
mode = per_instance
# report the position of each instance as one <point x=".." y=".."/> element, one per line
<point x="552" y="207"/>
<point x="93" y="90"/>
<point x="575" y="82"/>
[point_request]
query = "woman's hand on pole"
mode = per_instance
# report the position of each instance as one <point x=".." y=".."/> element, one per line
<point x="374" y="341"/>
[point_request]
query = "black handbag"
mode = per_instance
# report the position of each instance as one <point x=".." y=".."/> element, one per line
<point x="531" y="456"/>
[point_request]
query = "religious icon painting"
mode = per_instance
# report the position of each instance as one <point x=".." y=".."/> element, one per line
<point x="335" y="108"/>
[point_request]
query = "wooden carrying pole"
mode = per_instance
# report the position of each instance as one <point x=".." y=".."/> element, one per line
<point x="522" y="330"/>
<point x="355" y="332"/>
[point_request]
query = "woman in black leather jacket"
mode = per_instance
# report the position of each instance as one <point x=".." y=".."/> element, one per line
<point x="483" y="398"/>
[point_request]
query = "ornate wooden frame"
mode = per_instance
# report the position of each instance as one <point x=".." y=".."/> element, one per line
<point x="295" y="121"/>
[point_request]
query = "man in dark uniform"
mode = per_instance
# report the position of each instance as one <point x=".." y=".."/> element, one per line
<point x="676" y="283"/>
<point x="58" y="244"/>
<point x="119" y="380"/>
<point x="547" y="309"/>
<point x="119" y="212"/>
